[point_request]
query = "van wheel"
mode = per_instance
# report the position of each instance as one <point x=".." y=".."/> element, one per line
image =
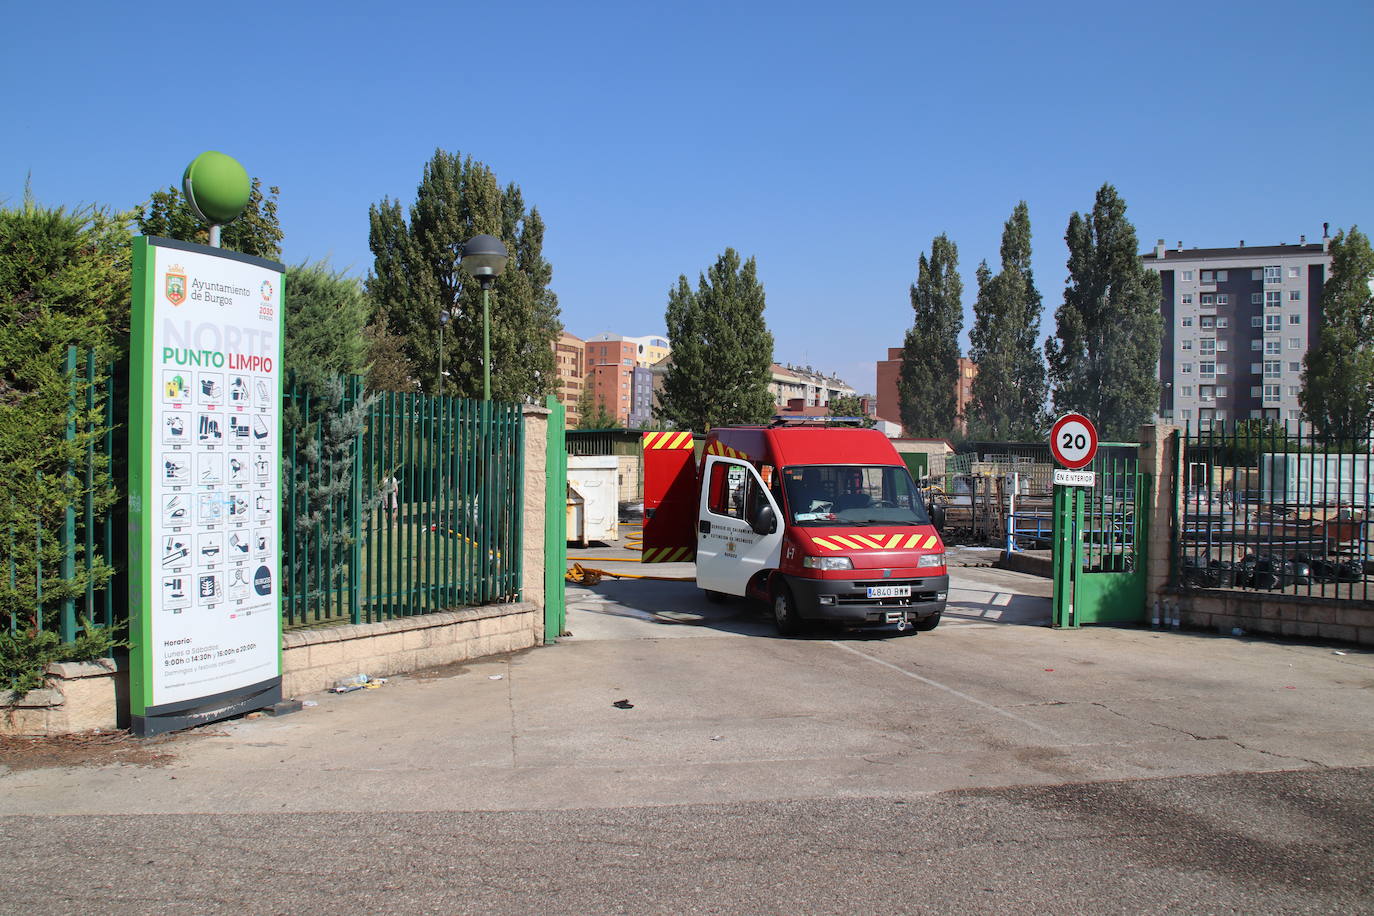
<point x="926" y="624"/>
<point x="785" y="612"/>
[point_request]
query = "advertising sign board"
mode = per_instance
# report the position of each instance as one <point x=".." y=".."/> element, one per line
<point x="204" y="484"/>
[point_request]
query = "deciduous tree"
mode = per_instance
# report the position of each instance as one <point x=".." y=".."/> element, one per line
<point x="1009" y="390"/>
<point x="930" y="354"/>
<point x="417" y="274"/>
<point x="1105" y="355"/>
<point x="1338" y="373"/>
<point x="722" y="349"/>
<point x="256" y="232"/>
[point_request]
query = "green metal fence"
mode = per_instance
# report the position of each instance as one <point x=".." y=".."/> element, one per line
<point x="60" y="537"/>
<point x="1272" y="507"/>
<point x="425" y="517"/>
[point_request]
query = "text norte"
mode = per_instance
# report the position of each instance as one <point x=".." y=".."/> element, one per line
<point x="188" y="344"/>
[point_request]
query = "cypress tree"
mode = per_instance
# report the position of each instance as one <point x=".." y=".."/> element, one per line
<point x="1338" y="373"/>
<point x="930" y="354"/>
<point x="722" y="349"/>
<point x="1104" y="358"/>
<point x="1009" y="390"/>
<point x="417" y="274"/>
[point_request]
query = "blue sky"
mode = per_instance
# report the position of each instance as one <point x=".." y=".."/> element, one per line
<point x="829" y="141"/>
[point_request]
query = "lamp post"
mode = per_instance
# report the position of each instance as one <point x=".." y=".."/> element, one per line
<point x="485" y="258"/>
<point x="444" y="317"/>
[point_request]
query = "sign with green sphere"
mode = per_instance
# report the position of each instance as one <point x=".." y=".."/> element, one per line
<point x="216" y="187"/>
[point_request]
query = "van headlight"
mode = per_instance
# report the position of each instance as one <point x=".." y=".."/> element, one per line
<point x="932" y="559"/>
<point x="827" y="563"/>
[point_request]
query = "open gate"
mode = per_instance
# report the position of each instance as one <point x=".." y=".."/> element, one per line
<point x="1100" y="538"/>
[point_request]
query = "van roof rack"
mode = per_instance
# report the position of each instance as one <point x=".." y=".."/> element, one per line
<point x="817" y="421"/>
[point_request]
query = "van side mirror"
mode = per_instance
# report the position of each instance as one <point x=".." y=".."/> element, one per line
<point x="937" y="516"/>
<point x="764" y="520"/>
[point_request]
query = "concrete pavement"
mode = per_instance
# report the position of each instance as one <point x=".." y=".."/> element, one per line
<point x="726" y="711"/>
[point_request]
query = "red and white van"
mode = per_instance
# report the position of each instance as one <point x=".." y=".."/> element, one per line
<point x="822" y="522"/>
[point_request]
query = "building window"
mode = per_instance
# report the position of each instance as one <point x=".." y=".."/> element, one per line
<point x="1207" y="346"/>
<point x="1223" y="321"/>
<point x="1187" y="391"/>
<point x="1208" y="299"/>
<point x="1295" y="295"/>
<point x="1256" y="391"/>
<point x="1188" y="276"/>
<point x="1187" y="322"/>
<point x="1256" y="274"/>
<point x="1257" y="343"/>
<point x="1207" y="321"/>
<point x="1207" y="368"/>
<point x="1206" y="393"/>
<point x="1273" y="368"/>
<point x="1273" y="299"/>
<point x="1186" y="368"/>
<point x="1273" y="274"/>
<point x="1295" y="343"/>
<point x="1187" y="414"/>
<point x="1223" y="345"/>
<point x="1273" y="322"/>
<point x="1271" y="347"/>
<point x="1187" y="298"/>
<point x="1208" y="276"/>
<point x="1221" y="276"/>
<point x="1256" y="298"/>
<point x="1221" y="368"/>
<point x="1295" y="414"/>
<point x="1256" y="321"/>
<point x="1223" y="299"/>
<point x="1188" y="344"/>
<point x="1295" y="272"/>
<point x="1272" y="394"/>
<point x="1294" y="367"/>
<point x="1295" y="319"/>
<point x="1221" y="391"/>
<point x="1292" y="391"/>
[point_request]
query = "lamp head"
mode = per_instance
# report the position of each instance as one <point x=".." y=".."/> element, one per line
<point x="484" y="257"/>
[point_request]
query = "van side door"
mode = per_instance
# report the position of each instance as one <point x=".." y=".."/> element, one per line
<point x="739" y="526"/>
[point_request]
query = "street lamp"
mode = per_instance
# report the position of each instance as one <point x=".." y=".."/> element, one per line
<point x="485" y="258"/>
<point x="444" y="316"/>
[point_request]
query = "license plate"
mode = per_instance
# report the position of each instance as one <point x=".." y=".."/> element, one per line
<point x="889" y="591"/>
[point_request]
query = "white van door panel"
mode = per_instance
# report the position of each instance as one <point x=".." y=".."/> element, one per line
<point x="729" y="551"/>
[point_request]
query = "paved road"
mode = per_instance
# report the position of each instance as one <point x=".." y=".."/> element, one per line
<point x="988" y="766"/>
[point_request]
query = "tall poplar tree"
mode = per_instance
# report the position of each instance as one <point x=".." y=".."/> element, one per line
<point x="1338" y="373"/>
<point x="1009" y="390"/>
<point x="930" y="354"/>
<point x="416" y="275"/>
<point x="722" y="349"/>
<point x="1104" y="359"/>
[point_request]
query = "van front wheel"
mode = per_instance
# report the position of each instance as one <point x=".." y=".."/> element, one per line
<point x="785" y="612"/>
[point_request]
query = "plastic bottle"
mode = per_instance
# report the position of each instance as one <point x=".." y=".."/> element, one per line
<point x="1154" y="616"/>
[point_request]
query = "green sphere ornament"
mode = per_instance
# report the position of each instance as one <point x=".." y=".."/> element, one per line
<point x="216" y="187"/>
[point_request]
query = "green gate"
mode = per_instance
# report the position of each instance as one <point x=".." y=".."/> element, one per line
<point x="1100" y="539"/>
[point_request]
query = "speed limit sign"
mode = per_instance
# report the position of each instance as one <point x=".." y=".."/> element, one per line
<point x="1073" y="441"/>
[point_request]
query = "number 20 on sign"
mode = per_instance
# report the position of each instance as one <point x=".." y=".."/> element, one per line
<point x="1073" y="441"/>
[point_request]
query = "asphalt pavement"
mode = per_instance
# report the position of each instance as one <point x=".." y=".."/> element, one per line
<point x="992" y="765"/>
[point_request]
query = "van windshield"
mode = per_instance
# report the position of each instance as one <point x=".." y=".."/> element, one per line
<point x="838" y="495"/>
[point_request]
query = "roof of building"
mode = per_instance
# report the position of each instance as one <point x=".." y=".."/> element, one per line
<point x="1198" y="254"/>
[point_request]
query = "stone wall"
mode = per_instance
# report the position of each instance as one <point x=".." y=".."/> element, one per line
<point x="1275" y="615"/>
<point x="80" y="697"/>
<point x="312" y="660"/>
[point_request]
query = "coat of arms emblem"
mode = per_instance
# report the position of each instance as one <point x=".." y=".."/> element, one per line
<point x="175" y="288"/>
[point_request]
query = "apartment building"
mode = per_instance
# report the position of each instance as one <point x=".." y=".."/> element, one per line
<point x="618" y="372"/>
<point x="790" y="383"/>
<point x="1237" y="323"/>
<point x="569" y="358"/>
<point x="889" y="402"/>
